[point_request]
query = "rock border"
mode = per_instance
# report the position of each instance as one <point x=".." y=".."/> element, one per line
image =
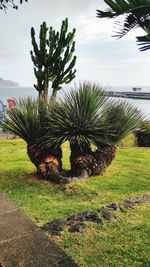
<point x="76" y="223"/>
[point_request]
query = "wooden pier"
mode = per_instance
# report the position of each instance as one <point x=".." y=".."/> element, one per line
<point x="134" y="95"/>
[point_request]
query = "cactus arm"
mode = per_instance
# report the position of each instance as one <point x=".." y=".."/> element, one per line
<point x="53" y="58"/>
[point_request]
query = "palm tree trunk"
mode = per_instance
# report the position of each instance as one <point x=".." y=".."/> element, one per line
<point x="85" y="162"/>
<point x="81" y="160"/>
<point x="104" y="156"/>
<point x="82" y="177"/>
<point x="48" y="163"/>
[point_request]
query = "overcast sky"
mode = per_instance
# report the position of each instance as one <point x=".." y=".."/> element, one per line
<point x="100" y="57"/>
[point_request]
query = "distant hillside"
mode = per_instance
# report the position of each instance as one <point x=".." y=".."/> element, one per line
<point x="7" y="83"/>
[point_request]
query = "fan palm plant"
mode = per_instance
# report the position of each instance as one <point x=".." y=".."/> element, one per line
<point x="137" y="13"/>
<point x="27" y="120"/>
<point x="85" y="117"/>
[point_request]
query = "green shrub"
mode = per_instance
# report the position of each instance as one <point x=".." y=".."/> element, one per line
<point x="143" y="135"/>
<point x="128" y="141"/>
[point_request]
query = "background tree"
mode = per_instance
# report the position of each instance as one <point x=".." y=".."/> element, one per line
<point x="53" y="58"/>
<point x="137" y="13"/>
<point x="4" y="4"/>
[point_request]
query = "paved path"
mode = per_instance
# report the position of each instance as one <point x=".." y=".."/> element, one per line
<point x="23" y="244"/>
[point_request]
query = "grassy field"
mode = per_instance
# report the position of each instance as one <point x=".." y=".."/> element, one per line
<point x="121" y="242"/>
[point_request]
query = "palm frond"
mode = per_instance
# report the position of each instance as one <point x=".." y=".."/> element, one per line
<point x="123" y="28"/>
<point x="75" y="118"/>
<point x="121" y="118"/>
<point x="144" y="42"/>
<point x="24" y="120"/>
<point x="140" y="18"/>
<point x="121" y="7"/>
<point x="137" y="13"/>
<point x="88" y="116"/>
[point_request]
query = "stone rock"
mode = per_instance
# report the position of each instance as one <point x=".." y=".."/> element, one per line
<point x="106" y="214"/>
<point x="54" y="227"/>
<point x="79" y="227"/>
<point x="128" y="204"/>
<point x="91" y="216"/>
<point x="121" y="207"/>
<point x="136" y="200"/>
<point x="75" y="222"/>
<point x="72" y="222"/>
<point x="146" y="197"/>
<point x="113" y="206"/>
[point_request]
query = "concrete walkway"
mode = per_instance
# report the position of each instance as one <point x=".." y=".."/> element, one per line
<point x="23" y="244"/>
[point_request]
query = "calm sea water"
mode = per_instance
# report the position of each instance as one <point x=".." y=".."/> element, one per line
<point x="13" y="92"/>
<point x="143" y="105"/>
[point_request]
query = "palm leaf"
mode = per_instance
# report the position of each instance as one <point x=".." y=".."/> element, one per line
<point x="24" y="120"/>
<point x="129" y="23"/>
<point x="140" y="18"/>
<point x="144" y="42"/>
<point x="121" y="119"/>
<point x="76" y="116"/>
<point x="87" y="116"/>
<point x="121" y="7"/>
<point x="137" y="14"/>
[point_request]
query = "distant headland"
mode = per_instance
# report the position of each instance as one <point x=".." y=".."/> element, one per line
<point x="8" y="83"/>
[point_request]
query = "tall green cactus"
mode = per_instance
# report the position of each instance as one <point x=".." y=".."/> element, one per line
<point x="39" y="55"/>
<point x="53" y="58"/>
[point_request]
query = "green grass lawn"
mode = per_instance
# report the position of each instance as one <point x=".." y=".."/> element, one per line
<point x="121" y="242"/>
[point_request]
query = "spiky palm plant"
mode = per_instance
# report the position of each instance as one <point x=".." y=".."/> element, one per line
<point x="87" y="116"/>
<point x="137" y="13"/>
<point x="27" y="119"/>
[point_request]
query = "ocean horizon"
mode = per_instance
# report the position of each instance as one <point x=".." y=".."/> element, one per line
<point x="16" y="92"/>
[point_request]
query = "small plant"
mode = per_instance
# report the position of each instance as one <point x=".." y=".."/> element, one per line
<point x="143" y="135"/>
<point x="128" y="141"/>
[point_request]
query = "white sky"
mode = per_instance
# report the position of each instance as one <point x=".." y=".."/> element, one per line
<point x="100" y="57"/>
